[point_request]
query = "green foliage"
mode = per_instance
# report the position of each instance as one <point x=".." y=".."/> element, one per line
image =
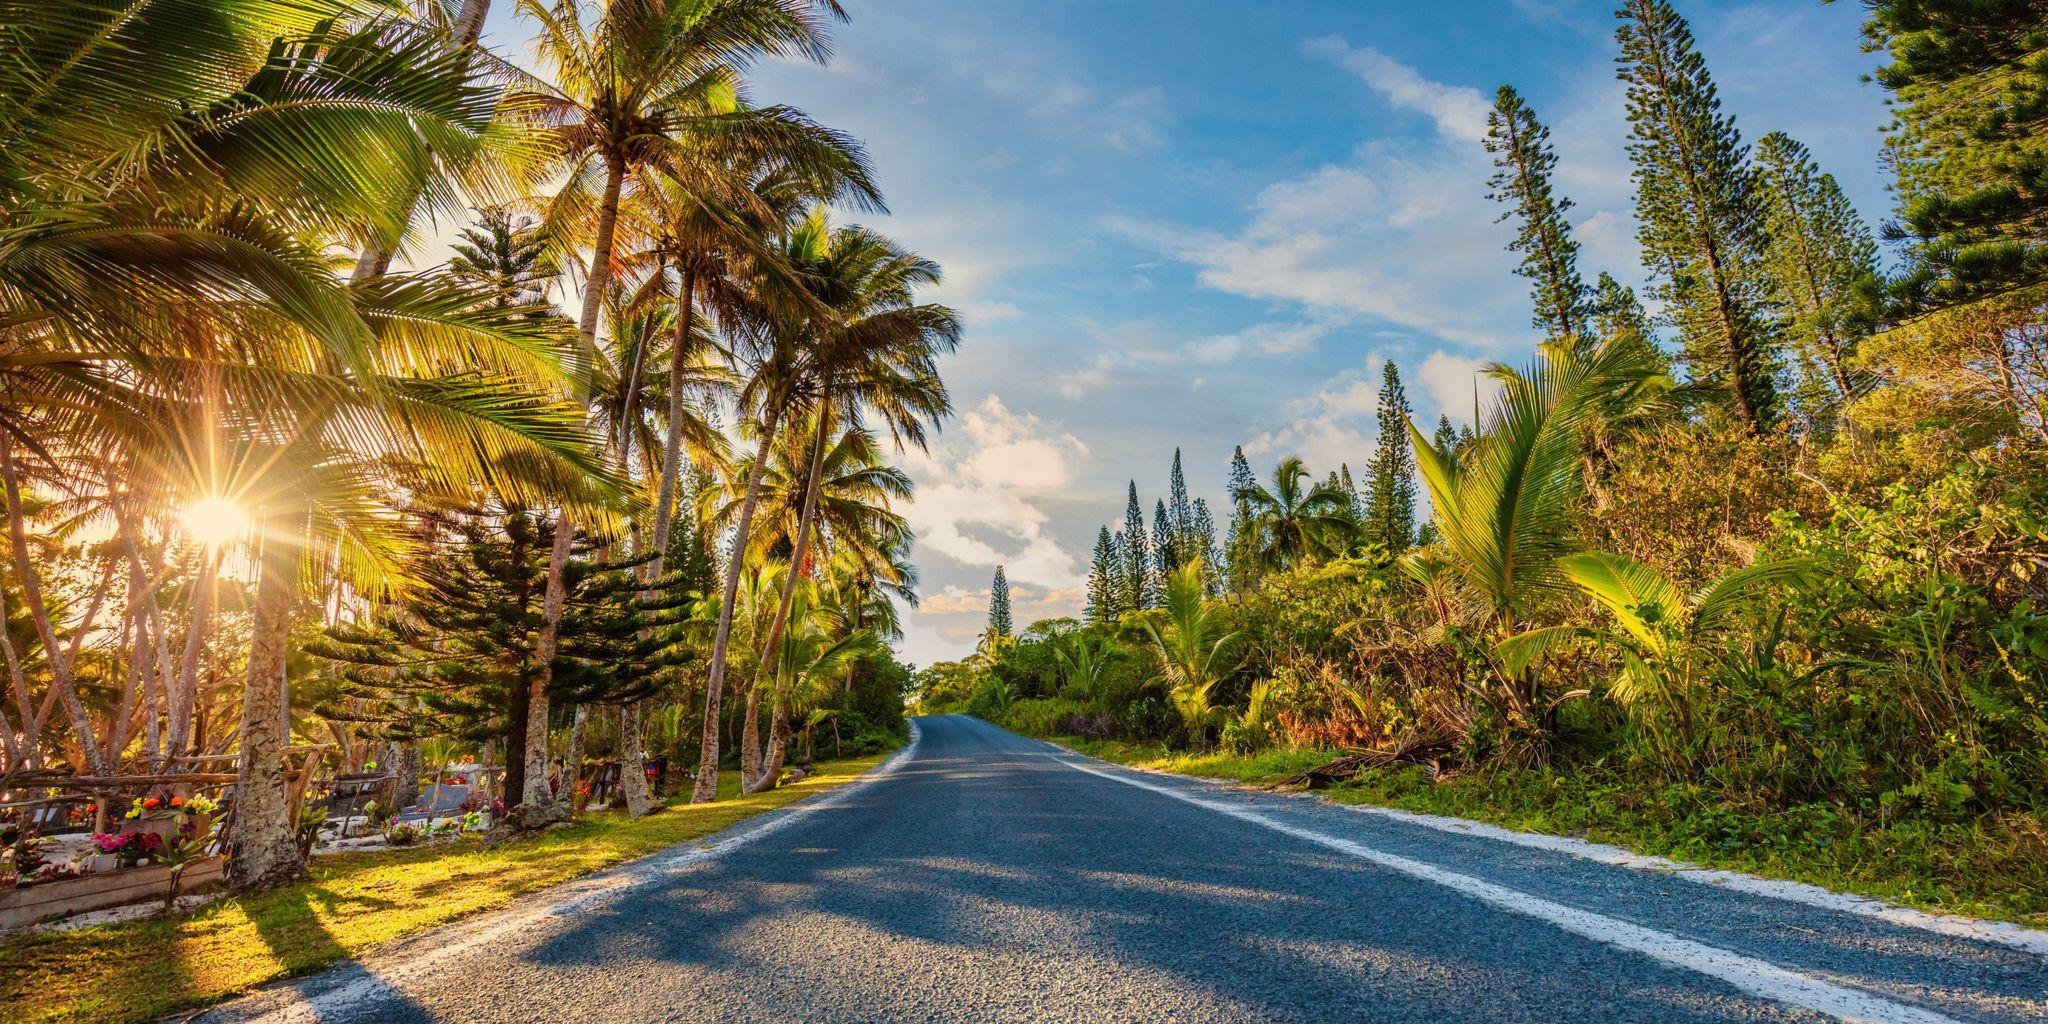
<point x="1701" y="226"/>
<point x="1389" y="519"/>
<point x="1969" y="139"/>
<point x="999" y="605"/>
<point x="1523" y="163"/>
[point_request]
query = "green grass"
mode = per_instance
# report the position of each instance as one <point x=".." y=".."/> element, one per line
<point x="141" y="970"/>
<point x="1987" y="867"/>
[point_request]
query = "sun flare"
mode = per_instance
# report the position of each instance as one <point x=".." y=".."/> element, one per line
<point x="214" y="521"/>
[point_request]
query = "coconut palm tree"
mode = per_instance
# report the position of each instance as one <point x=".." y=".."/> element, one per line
<point x="1193" y="649"/>
<point x="166" y="297"/>
<point x="1292" y="523"/>
<point x="1504" y="506"/>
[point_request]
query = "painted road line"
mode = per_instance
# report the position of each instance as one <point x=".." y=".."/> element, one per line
<point x="1748" y="974"/>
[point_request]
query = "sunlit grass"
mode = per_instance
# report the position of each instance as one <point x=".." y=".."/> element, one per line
<point x="141" y="970"/>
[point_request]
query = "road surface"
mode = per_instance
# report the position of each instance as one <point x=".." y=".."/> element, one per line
<point x="981" y="876"/>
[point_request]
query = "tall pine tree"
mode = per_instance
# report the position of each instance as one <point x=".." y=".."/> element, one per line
<point x="1523" y="162"/>
<point x="1242" y="545"/>
<point x="1202" y="534"/>
<point x="1104" y="593"/>
<point x="1820" y="258"/>
<point x="1136" y="548"/>
<point x="1390" y="483"/>
<point x="999" y="605"/>
<point x="1700" y="222"/>
<point x="1969" y="138"/>
<point x="1616" y="311"/>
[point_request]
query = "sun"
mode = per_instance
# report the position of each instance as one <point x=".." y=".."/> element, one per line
<point x="214" y="521"/>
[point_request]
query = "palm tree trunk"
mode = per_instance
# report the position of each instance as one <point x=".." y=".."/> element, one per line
<point x="32" y="595"/>
<point x="33" y="757"/>
<point x="467" y="27"/>
<point x="632" y="764"/>
<point x="678" y="408"/>
<point x="594" y="285"/>
<point x="572" y="761"/>
<point x="706" y="789"/>
<point x="266" y="848"/>
<point x="766" y="775"/>
<point x="537" y="795"/>
<point x="750" y="739"/>
<point x="185" y="697"/>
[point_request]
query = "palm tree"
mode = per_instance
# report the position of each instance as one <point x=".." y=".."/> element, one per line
<point x="871" y="349"/>
<point x="1193" y="649"/>
<point x="164" y="311"/>
<point x="1291" y="523"/>
<point x="1504" y="506"/>
<point x="1668" y="638"/>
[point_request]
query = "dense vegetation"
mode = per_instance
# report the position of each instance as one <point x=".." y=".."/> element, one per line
<point x="1757" y="579"/>
<point x="267" y="488"/>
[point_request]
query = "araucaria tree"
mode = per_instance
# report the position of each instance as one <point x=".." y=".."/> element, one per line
<point x="1701" y="224"/>
<point x="1969" y="139"/>
<point x="999" y="605"/>
<point x="1105" y="592"/>
<point x="1390" y="484"/>
<point x="1523" y="163"/>
<point x="1819" y="259"/>
<point x="1135" y="547"/>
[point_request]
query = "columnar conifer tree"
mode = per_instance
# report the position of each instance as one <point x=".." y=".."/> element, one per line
<point x="1180" y="514"/>
<point x="1820" y="254"/>
<point x="1202" y="534"/>
<point x="1390" y="484"/>
<point x="1969" y="138"/>
<point x="1137" y="555"/>
<point x="1166" y="546"/>
<point x="1241" y="545"/>
<point x="999" y="605"/>
<point x="1701" y="225"/>
<point x="1104" y="592"/>
<point x="1615" y="310"/>
<point x="1523" y="162"/>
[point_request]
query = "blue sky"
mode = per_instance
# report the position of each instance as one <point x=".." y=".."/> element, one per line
<point x="1203" y="224"/>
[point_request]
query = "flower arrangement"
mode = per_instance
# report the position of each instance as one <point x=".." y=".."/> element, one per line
<point x="197" y="806"/>
<point x="404" y="835"/>
<point x="142" y="806"/>
<point x="129" y="848"/>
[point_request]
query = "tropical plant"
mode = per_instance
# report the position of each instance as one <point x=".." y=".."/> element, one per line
<point x="1192" y="645"/>
<point x="1291" y="523"/>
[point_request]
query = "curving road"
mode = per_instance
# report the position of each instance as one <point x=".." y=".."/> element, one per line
<point x="981" y="876"/>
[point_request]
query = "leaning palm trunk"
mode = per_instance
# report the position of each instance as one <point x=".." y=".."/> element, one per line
<point x="706" y="789"/>
<point x="767" y="775"/>
<point x="266" y="847"/>
<point x="537" y="794"/>
<point x="678" y="409"/>
<point x="184" y="697"/>
<point x="375" y="258"/>
<point x="32" y="595"/>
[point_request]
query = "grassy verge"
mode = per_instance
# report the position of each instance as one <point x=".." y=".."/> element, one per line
<point x="1995" y="868"/>
<point x="141" y="970"/>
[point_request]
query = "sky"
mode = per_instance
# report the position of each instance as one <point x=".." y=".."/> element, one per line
<point x="1195" y="224"/>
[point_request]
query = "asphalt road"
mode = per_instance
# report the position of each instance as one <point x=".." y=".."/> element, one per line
<point x="981" y="876"/>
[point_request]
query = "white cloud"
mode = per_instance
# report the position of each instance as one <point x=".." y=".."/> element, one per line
<point x="1459" y="111"/>
<point x="1335" y="426"/>
<point x="1457" y="384"/>
<point x="975" y="506"/>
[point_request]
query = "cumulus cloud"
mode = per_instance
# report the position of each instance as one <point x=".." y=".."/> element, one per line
<point x="1457" y="384"/>
<point x="974" y="501"/>
<point x="1337" y="425"/>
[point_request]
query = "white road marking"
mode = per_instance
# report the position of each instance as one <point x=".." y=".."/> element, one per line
<point x="2000" y="932"/>
<point x="1756" y="977"/>
<point x="291" y="1004"/>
